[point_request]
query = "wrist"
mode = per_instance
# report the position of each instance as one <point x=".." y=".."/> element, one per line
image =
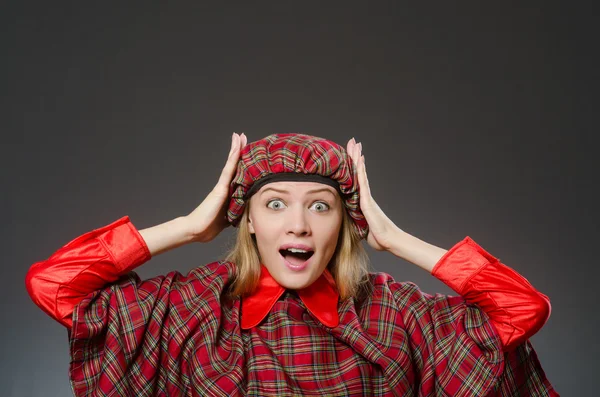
<point x="399" y="242"/>
<point x="188" y="233"/>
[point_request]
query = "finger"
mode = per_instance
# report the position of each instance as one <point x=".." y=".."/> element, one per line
<point x="356" y="155"/>
<point x="364" y="168"/>
<point x="231" y="165"/>
<point x="349" y="146"/>
<point x="235" y="138"/>
<point x="362" y="177"/>
<point x="232" y="144"/>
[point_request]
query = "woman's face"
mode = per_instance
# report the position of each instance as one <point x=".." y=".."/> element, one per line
<point x="305" y="214"/>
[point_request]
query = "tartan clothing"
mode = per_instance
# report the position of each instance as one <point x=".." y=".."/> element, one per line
<point x="176" y="335"/>
<point x="293" y="153"/>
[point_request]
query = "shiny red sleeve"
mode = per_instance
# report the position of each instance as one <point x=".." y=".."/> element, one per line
<point x="515" y="308"/>
<point x="84" y="265"/>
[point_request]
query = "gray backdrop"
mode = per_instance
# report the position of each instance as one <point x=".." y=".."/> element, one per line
<point x="475" y="120"/>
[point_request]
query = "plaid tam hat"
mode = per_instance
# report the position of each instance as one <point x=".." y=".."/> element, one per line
<point x="300" y="158"/>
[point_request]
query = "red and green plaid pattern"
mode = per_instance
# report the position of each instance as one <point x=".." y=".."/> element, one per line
<point x="174" y="335"/>
<point x="298" y="153"/>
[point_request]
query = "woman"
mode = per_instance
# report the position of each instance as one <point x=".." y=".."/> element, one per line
<point x="293" y="310"/>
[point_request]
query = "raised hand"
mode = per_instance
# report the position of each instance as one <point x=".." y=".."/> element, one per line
<point x="382" y="230"/>
<point x="209" y="218"/>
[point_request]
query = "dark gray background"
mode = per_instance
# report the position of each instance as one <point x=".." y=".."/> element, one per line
<point x="475" y="120"/>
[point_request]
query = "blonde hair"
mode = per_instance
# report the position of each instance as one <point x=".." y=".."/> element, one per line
<point x="349" y="264"/>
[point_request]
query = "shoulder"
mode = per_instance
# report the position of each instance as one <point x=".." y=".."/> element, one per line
<point x="406" y="293"/>
<point x="214" y="275"/>
<point x="385" y="284"/>
<point x="209" y="278"/>
<point x="218" y="270"/>
<point x="381" y="290"/>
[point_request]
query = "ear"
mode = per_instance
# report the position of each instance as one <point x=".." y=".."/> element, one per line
<point x="250" y="226"/>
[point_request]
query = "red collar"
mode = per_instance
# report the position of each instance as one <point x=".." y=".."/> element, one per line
<point x="320" y="298"/>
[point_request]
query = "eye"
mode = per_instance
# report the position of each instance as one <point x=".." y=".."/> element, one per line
<point x="321" y="206"/>
<point x="275" y="204"/>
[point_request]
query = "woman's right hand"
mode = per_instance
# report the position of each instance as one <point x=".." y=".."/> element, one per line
<point x="209" y="218"/>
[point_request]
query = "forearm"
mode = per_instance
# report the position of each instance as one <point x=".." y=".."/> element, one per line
<point x="416" y="251"/>
<point x="166" y="236"/>
<point x="84" y="265"/>
<point x="516" y="309"/>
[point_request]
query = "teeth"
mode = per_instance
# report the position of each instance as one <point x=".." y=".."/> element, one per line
<point x="297" y="250"/>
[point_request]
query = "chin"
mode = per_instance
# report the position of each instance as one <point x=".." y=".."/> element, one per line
<point x="294" y="281"/>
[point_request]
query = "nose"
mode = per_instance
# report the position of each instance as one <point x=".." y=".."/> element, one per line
<point x="297" y="222"/>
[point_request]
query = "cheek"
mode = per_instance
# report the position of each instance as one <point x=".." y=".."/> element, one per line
<point x="266" y="234"/>
<point x="264" y="228"/>
<point x="329" y="237"/>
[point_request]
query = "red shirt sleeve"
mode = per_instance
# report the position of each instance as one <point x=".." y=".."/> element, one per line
<point x="515" y="308"/>
<point x="84" y="265"/>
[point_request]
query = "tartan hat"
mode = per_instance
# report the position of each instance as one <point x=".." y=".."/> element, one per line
<point x="295" y="157"/>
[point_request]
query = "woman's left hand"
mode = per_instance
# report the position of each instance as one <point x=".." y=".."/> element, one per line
<point x="382" y="231"/>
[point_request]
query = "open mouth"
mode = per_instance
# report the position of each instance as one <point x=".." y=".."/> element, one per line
<point x="294" y="256"/>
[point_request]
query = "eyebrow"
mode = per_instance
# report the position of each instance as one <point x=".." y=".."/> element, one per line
<point x="309" y="192"/>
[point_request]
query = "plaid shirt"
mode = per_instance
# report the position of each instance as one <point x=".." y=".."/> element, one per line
<point x="176" y="335"/>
